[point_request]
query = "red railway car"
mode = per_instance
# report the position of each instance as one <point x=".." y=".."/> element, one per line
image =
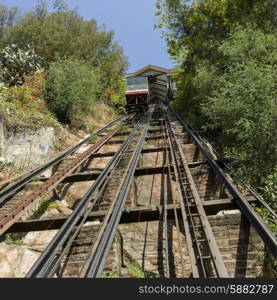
<point x="137" y="100"/>
<point x="147" y="84"/>
<point x="137" y="94"/>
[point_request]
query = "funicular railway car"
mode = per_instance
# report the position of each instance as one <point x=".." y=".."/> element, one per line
<point x="147" y="84"/>
<point x="137" y="94"/>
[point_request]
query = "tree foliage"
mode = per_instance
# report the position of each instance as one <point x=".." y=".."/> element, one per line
<point x="243" y="106"/>
<point x="226" y="52"/>
<point x="61" y="34"/>
<point x="83" y="63"/>
<point x="71" y="89"/>
<point x="8" y="17"/>
<point x="24" y="106"/>
<point x="16" y="63"/>
<point x="194" y="31"/>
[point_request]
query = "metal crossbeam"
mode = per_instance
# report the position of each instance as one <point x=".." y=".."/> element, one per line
<point x="17" y="186"/>
<point x="185" y="179"/>
<point x="247" y="210"/>
<point x="131" y="215"/>
<point x="93" y="175"/>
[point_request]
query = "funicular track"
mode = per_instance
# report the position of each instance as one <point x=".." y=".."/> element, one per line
<point x="109" y="191"/>
<point x="203" y="250"/>
<point x="13" y="205"/>
<point x="80" y="249"/>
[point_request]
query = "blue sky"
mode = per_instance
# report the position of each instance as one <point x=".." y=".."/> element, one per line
<point x="132" y="20"/>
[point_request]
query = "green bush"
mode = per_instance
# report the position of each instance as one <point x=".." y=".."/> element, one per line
<point x="226" y="53"/>
<point x="16" y="63"/>
<point x="243" y="107"/>
<point x="135" y="271"/>
<point x="45" y="204"/>
<point x="269" y="191"/>
<point x="13" y="240"/>
<point x="110" y="275"/>
<point x="83" y="61"/>
<point x="24" y="106"/>
<point x="71" y="90"/>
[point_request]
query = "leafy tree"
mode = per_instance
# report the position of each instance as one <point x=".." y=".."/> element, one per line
<point x="24" y="106"/>
<point x="60" y="6"/>
<point x="243" y="107"/>
<point x="82" y="61"/>
<point x="16" y="63"/>
<point x="226" y="51"/>
<point x="71" y="90"/>
<point x="63" y="34"/>
<point x="111" y="77"/>
<point x="8" y="17"/>
<point x="194" y="31"/>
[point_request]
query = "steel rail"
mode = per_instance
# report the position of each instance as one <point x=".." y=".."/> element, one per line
<point x="30" y="201"/>
<point x="193" y="251"/>
<point x="43" y="266"/>
<point x="165" y="199"/>
<point x="204" y="142"/>
<point x="176" y="218"/>
<point x="99" y="259"/>
<point x="97" y="199"/>
<point x="185" y="178"/>
<point x="245" y="207"/>
<point x="11" y="190"/>
<point x="64" y="255"/>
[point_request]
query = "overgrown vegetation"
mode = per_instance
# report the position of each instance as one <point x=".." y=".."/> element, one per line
<point x="226" y="51"/>
<point x="227" y="55"/>
<point x="93" y="139"/>
<point x="269" y="192"/>
<point x="71" y="90"/>
<point x="76" y="63"/>
<point x="242" y="107"/>
<point x="15" y="63"/>
<point x="45" y="204"/>
<point x="110" y="275"/>
<point x="123" y="128"/>
<point x="13" y="240"/>
<point x="135" y="271"/>
<point x="24" y="106"/>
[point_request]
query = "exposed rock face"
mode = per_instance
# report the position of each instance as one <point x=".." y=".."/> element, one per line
<point x="241" y="247"/>
<point x="72" y="193"/>
<point x="38" y="241"/>
<point x="15" y="261"/>
<point x="29" y="148"/>
<point x="239" y="244"/>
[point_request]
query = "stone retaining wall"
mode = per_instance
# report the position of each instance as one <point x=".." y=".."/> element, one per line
<point x="241" y="247"/>
<point x="28" y="148"/>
